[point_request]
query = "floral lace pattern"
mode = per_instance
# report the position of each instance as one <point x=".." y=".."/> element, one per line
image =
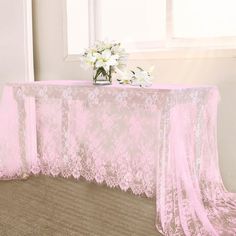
<point x="157" y="142"/>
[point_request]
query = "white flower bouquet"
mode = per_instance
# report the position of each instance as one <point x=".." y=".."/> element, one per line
<point x="105" y="58"/>
<point x="137" y="77"/>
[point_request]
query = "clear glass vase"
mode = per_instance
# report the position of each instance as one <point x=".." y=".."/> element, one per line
<point x="102" y="77"/>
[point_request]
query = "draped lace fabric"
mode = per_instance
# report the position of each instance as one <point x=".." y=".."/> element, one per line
<point x="157" y="141"/>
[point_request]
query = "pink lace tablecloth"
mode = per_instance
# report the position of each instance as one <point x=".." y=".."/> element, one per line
<point x="160" y="141"/>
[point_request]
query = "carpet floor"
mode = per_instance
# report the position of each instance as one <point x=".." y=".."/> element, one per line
<point x="49" y="206"/>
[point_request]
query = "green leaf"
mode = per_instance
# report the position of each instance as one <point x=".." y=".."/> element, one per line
<point x="140" y="68"/>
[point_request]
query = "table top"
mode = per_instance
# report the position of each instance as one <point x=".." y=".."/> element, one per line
<point x="88" y="83"/>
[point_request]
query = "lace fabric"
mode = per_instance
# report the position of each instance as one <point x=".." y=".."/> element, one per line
<point x="160" y="142"/>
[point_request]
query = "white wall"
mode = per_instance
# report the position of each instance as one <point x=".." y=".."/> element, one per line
<point x="49" y="65"/>
<point x="48" y="43"/>
<point x="16" y="49"/>
<point x="12" y="40"/>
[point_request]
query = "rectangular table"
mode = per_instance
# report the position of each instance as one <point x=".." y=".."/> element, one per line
<point x="158" y="141"/>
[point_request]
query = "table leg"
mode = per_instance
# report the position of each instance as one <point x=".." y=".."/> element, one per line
<point x="22" y="129"/>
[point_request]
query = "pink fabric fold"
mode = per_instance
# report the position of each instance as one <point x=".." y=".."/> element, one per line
<point x="159" y="141"/>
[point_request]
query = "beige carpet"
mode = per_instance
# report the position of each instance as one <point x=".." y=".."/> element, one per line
<point x="65" y="207"/>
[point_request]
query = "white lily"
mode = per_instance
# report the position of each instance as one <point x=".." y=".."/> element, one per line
<point x="141" y="78"/>
<point x="106" y="59"/>
<point x="100" y="63"/>
<point x="125" y="77"/>
<point x="90" y="58"/>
